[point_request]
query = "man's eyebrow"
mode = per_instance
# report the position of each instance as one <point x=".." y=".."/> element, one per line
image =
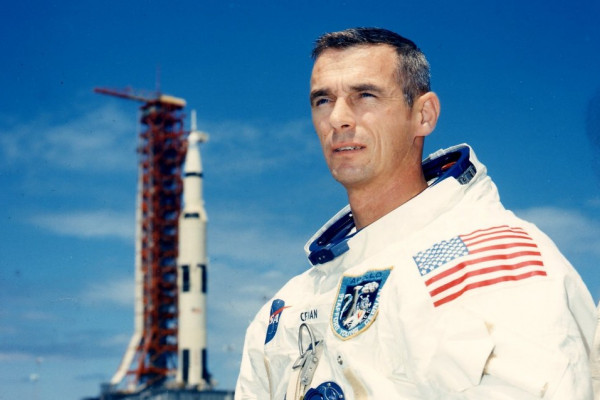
<point x="366" y="87"/>
<point x="363" y="87"/>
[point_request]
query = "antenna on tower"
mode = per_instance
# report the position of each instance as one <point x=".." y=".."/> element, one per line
<point x="158" y="79"/>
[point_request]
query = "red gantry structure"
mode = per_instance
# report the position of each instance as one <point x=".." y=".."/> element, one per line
<point x="151" y="357"/>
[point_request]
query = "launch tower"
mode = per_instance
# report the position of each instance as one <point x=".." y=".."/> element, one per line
<point x="170" y="270"/>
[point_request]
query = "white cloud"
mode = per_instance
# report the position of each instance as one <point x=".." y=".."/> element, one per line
<point x="572" y="230"/>
<point x="254" y="245"/>
<point x="594" y="202"/>
<point x="119" y="291"/>
<point x="88" y="224"/>
<point x="242" y="148"/>
<point x="120" y="340"/>
<point x="99" y="140"/>
<point x="104" y="139"/>
<point x="238" y="291"/>
<point x="15" y="356"/>
<point x="38" y="316"/>
<point x="255" y="236"/>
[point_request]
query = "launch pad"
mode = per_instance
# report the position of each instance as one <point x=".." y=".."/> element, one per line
<point x="167" y="394"/>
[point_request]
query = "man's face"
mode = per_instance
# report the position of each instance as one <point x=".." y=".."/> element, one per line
<point x="363" y="122"/>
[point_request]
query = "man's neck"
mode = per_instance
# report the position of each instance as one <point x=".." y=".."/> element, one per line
<point x="368" y="204"/>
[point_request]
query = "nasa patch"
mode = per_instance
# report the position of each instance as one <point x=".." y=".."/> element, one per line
<point x="277" y="308"/>
<point x="357" y="302"/>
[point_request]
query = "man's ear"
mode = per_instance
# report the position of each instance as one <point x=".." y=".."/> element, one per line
<point x="427" y="107"/>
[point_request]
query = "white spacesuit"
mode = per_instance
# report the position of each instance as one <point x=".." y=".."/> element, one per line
<point x="449" y="296"/>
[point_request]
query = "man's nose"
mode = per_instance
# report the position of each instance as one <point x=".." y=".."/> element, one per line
<point x="342" y="115"/>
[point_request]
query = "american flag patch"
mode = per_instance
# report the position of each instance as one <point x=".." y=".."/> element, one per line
<point x="482" y="258"/>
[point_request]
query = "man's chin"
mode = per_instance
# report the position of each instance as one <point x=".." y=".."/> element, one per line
<point x="350" y="177"/>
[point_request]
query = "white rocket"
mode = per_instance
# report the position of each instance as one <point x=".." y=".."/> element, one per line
<point x="192" y="271"/>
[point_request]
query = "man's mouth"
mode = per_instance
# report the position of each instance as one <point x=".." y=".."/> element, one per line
<point x="348" y="148"/>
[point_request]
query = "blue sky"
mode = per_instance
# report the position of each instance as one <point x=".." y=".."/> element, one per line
<point x="519" y="81"/>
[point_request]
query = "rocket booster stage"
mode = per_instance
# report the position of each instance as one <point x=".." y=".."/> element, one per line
<point x="192" y="271"/>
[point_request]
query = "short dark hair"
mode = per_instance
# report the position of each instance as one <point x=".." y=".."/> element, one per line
<point x="413" y="68"/>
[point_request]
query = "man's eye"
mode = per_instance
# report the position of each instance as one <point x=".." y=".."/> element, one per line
<point x="366" y="94"/>
<point x="321" y="101"/>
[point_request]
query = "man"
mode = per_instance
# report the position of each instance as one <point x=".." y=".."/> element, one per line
<point x="424" y="287"/>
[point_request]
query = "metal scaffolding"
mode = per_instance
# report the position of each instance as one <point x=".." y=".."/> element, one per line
<point x="161" y="150"/>
<point x="151" y="357"/>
